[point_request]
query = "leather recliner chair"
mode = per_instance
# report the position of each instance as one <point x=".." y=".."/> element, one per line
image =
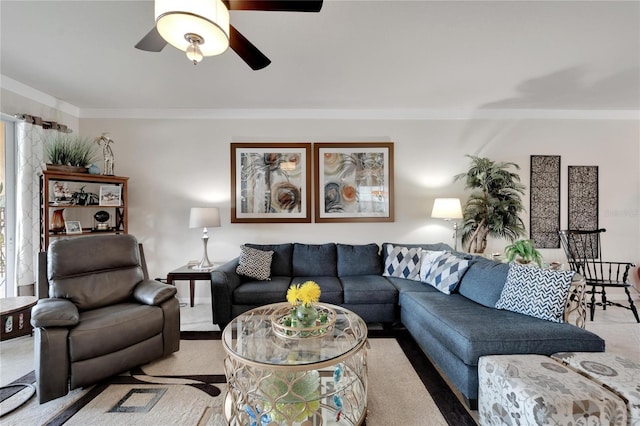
<point x="98" y="313"/>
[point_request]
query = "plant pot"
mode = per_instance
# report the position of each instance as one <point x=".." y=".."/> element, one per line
<point x="66" y="169"/>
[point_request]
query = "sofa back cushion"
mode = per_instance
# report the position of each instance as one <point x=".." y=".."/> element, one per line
<point x="314" y="260"/>
<point x="94" y="271"/>
<point x="361" y="259"/>
<point x="281" y="260"/>
<point x="483" y="281"/>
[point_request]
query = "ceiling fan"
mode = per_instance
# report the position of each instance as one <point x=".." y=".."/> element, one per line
<point x="201" y="27"/>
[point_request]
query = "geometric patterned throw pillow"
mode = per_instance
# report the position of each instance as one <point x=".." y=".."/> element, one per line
<point x="536" y="292"/>
<point x="426" y="261"/>
<point x="446" y="272"/>
<point x="402" y="262"/>
<point x="255" y="263"/>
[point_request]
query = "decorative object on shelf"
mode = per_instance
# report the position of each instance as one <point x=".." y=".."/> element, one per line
<point x="494" y="206"/>
<point x="57" y="221"/>
<point x="69" y="153"/>
<point x="544" y="196"/>
<point x="354" y="182"/>
<point x="94" y="169"/>
<point x="107" y="153"/>
<point x="290" y="395"/>
<point x="82" y="198"/>
<point x="102" y="218"/>
<point x="524" y="252"/>
<point x="270" y="182"/>
<point x="73" y="227"/>
<point x="448" y="209"/>
<point x="110" y="195"/>
<point x="204" y="217"/>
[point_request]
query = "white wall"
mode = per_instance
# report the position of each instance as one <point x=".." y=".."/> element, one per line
<point x="177" y="164"/>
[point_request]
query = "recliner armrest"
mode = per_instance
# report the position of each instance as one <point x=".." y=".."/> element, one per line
<point x="54" y="313"/>
<point x="153" y="292"/>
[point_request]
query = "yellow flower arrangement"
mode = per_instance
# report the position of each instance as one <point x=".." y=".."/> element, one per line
<point x="306" y="293"/>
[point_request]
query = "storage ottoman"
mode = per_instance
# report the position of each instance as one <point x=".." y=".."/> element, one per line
<point x="536" y="390"/>
<point x="616" y="373"/>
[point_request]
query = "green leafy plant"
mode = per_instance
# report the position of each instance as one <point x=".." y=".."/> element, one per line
<point x="523" y="251"/>
<point x="494" y="205"/>
<point x="68" y="150"/>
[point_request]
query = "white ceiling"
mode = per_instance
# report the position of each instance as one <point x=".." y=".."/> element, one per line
<point x="354" y="54"/>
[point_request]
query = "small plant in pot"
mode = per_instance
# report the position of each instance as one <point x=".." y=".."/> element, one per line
<point x="71" y="152"/>
<point x="523" y="251"/>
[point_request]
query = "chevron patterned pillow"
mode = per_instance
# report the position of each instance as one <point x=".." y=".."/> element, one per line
<point x="255" y="263"/>
<point x="536" y="292"/>
<point x="446" y="272"/>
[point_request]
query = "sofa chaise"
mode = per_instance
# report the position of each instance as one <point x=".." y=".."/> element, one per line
<point x="385" y="284"/>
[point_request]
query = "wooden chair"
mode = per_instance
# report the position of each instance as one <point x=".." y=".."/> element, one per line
<point x="584" y="254"/>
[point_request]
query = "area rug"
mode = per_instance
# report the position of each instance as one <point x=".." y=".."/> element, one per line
<point x="188" y="388"/>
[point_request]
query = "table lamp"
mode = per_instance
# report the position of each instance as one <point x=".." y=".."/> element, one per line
<point x="448" y="209"/>
<point x="204" y="217"/>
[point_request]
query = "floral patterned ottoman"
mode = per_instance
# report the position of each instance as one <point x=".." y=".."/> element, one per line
<point x="536" y="390"/>
<point x="618" y="374"/>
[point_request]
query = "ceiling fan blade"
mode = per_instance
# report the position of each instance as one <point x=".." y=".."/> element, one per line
<point x="152" y="42"/>
<point x="246" y="50"/>
<point x="275" y="5"/>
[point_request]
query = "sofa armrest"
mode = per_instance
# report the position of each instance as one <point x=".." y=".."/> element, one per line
<point x="153" y="292"/>
<point x="224" y="280"/>
<point x="54" y="313"/>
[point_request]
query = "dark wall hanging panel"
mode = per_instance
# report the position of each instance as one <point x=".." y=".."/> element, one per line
<point x="544" y="203"/>
<point x="583" y="197"/>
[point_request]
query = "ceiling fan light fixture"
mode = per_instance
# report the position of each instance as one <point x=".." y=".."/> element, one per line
<point x="206" y="19"/>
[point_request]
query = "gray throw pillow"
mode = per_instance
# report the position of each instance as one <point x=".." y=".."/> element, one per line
<point x="255" y="263"/>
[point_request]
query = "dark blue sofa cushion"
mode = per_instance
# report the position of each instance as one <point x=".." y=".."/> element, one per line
<point x="409" y="285"/>
<point x="316" y="260"/>
<point x="484" y="281"/>
<point x="330" y="287"/>
<point x="281" y="261"/>
<point x="362" y="259"/>
<point x="262" y="292"/>
<point x="470" y="330"/>
<point x="368" y="289"/>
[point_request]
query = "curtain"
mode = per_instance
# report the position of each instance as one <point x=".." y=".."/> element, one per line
<point x="30" y="156"/>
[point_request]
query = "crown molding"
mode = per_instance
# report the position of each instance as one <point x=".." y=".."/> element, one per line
<point x="36" y="95"/>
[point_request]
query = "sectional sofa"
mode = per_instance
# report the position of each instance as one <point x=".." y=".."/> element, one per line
<point x="385" y="284"/>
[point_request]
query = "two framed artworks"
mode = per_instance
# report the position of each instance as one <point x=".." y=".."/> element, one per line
<point x="272" y="182"/>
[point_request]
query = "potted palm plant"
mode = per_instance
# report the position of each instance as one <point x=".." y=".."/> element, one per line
<point x="69" y="153"/>
<point x="494" y="206"/>
<point x="523" y="251"/>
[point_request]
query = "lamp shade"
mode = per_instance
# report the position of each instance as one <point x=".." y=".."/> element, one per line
<point x="208" y="19"/>
<point x="204" y="217"/>
<point x="447" y="208"/>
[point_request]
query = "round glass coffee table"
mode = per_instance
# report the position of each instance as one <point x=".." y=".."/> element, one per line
<point x="306" y="379"/>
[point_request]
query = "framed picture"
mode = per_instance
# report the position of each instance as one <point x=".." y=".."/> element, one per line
<point x="354" y="182"/>
<point x="73" y="227"/>
<point x="110" y="195"/>
<point x="270" y="182"/>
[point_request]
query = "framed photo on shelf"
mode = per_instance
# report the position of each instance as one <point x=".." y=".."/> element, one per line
<point x="354" y="182"/>
<point x="270" y="182"/>
<point x="73" y="227"/>
<point x="110" y="195"/>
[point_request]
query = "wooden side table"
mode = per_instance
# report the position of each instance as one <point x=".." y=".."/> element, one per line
<point x="187" y="273"/>
<point x="15" y="316"/>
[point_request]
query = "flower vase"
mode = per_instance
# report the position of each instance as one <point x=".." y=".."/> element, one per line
<point x="307" y="315"/>
<point x="57" y="221"/>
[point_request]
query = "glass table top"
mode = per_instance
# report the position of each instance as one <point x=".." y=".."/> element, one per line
<point x="251" y="338"/>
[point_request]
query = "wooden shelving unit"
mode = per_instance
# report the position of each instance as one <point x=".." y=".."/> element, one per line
<point x="118" y="222"/>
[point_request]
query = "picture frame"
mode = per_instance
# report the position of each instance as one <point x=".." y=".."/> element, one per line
<point x="73" y="227"/>
<point x="354" y="182"/>
<point x="110" y="195"/>
<point x="270" y="182"/>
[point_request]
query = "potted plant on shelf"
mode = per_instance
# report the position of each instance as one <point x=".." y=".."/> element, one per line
<point x="494" y="205"/>
<point x="523" y="251"/>
<point x="69" y="153"/>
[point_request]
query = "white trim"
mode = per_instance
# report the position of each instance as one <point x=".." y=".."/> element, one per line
<point x="359" y="114"/>
<point x="21" y="89"/>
